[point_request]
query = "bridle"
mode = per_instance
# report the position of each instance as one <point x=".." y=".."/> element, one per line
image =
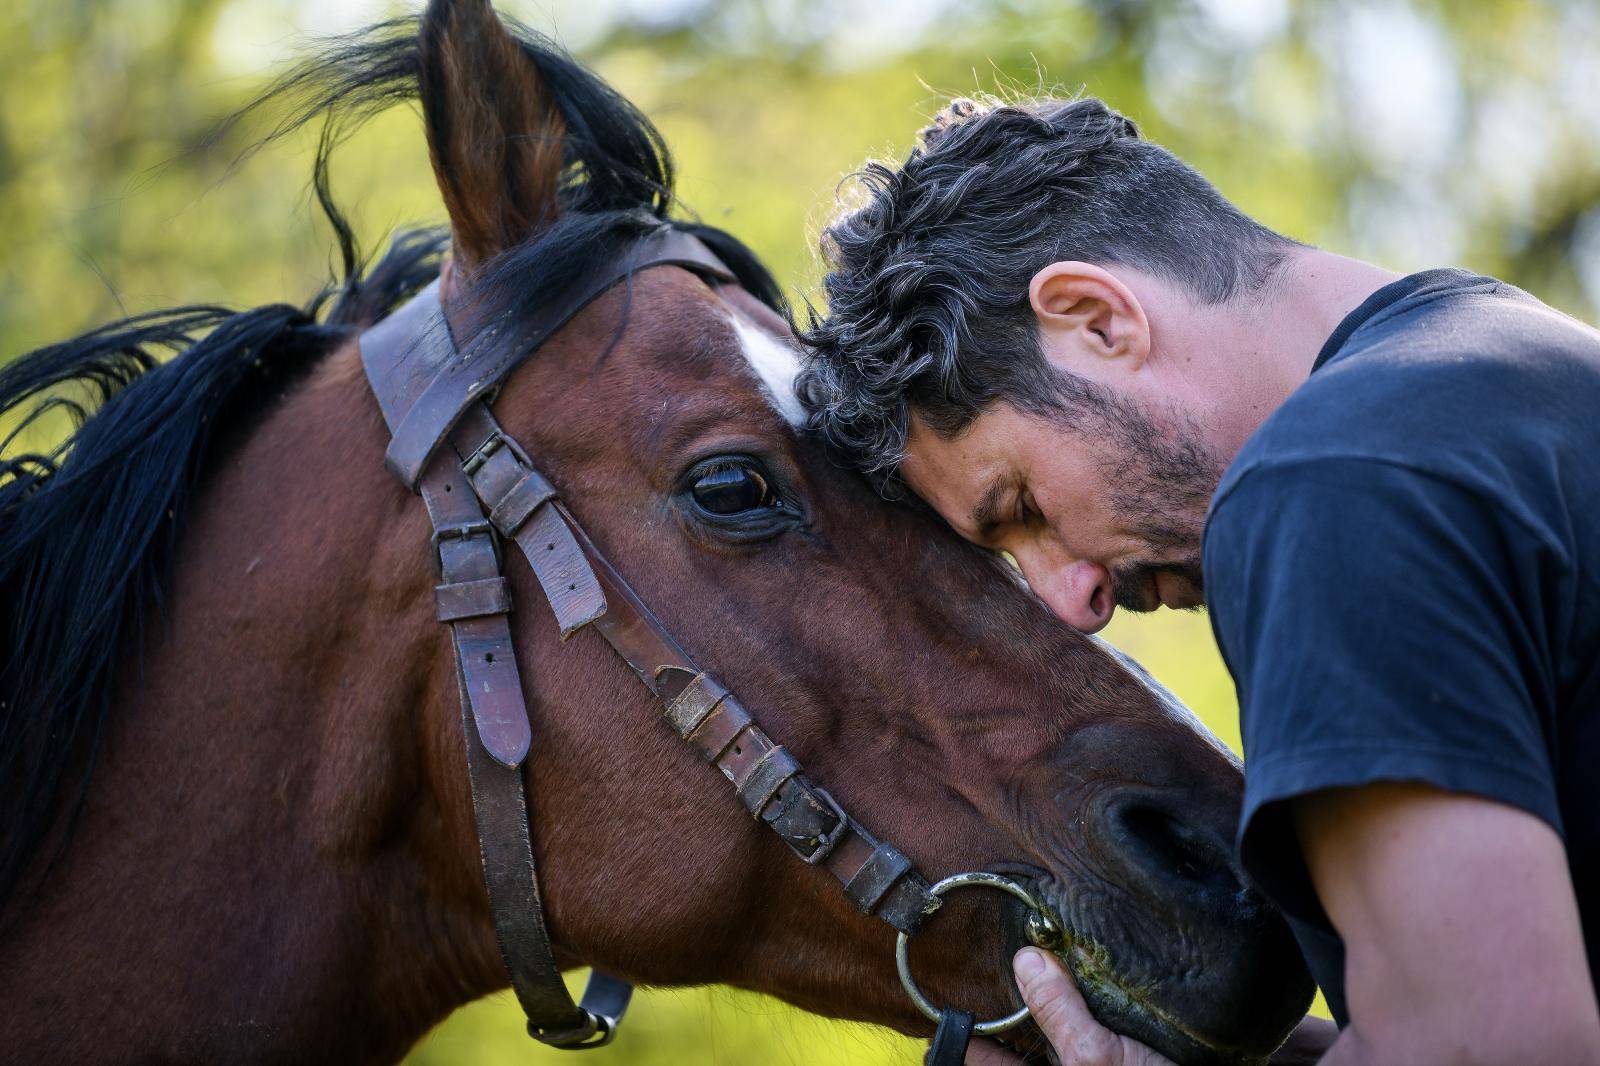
<point x="480" y="487"/>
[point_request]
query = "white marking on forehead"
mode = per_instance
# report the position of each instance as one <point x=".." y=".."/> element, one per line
<point x="776" y="363"/>
<point x="1174" y="707"/>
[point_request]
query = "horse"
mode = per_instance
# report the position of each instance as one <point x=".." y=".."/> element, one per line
<point x="238" y="819"/>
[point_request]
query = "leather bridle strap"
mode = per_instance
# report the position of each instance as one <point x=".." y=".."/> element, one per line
<point x="474" y="600"/>
<point x="454" y="383"/>
<point x="430" y="394"/>
<point x="950" y="1039"/>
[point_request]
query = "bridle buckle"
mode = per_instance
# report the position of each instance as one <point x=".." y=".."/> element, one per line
<point x="836" y="834"/>
<point x="491" y="444"/>
<point x="478" y="527"/>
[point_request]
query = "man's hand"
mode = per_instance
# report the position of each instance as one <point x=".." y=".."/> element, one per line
<point x="1080" y="1040"/>
<point x="1461" y="931"/>
<point x="1064" y="1017"/>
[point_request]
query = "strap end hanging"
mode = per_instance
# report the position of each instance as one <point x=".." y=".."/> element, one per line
<point x="950" y="1039"/>
<point x="558" y="562"/>
<point x="605" y="1001"/>
<point x="597" y="1030"/>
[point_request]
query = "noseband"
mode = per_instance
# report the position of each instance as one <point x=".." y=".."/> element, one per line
<point x="480" y="488"/>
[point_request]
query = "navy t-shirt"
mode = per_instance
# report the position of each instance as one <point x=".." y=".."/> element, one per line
<point x="1403" y="571"/>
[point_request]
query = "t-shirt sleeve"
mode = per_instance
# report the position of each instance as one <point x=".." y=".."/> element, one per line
<point x="1378" y="624"/>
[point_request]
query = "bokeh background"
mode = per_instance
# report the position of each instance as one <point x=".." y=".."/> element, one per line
<point x="1415" y="133"/>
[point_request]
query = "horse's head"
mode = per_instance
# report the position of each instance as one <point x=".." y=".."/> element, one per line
<point x="912" y="674"/>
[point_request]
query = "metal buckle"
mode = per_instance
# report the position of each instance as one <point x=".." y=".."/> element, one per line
<point x="480" y="455"/>
<point x="977" y="879"/>
<point x="461" y="531"/>
<point x="597" y="1031"/>
<point x="831" y="841"/>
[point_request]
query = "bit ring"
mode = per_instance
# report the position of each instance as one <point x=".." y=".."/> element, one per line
<point x="902" y="959"/>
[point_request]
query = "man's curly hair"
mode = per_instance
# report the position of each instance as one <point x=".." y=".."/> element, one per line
<point x="928" y="279"/>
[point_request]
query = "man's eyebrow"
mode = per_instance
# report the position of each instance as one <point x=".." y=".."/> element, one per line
<point x="985" y="514"/>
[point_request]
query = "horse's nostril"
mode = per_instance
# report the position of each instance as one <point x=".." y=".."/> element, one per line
<point x="1170" y="850"/>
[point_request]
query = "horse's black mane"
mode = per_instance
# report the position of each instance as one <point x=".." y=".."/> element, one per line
<point x="88" y="530"/>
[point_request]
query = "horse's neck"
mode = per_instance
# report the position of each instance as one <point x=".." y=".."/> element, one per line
<point x="263" y="866"/>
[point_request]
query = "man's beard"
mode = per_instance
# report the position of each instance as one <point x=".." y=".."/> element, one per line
<point x="1163" y="474"/>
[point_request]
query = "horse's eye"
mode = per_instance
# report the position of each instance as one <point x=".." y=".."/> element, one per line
<point x="729" y="490"/>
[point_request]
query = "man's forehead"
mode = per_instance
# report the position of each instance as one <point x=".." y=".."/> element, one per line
<point x="955" y="475"/>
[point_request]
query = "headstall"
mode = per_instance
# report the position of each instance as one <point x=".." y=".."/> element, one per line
<point x="481" y="488"/>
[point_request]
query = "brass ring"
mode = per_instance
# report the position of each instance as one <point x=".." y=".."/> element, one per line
<point x="902" y="959"/>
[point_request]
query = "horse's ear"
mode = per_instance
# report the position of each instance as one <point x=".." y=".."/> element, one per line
<point x="494" y="133"/>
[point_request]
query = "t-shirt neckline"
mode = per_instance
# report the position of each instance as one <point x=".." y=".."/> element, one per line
<point x="1390" y="294"/>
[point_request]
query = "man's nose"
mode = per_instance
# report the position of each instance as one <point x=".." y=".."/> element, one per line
<point x="1079" y="592"/>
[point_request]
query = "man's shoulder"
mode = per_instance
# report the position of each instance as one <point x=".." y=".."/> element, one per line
<point x="1475" y="387"/>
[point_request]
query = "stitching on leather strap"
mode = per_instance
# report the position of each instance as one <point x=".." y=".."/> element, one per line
<point x="766" y="777"/>
<point x="695" y="703"/>
<point x="868" y="885"/>
<point x="472" y="599"/>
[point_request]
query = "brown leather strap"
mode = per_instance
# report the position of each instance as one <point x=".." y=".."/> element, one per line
<point x="472" y="597"/>
<point x="458" y="382"/>
<point x="521" y="504"/>
<point x="471" y="588"/>
<point x="497" y="732"/>
<point x="950" y="1039"/>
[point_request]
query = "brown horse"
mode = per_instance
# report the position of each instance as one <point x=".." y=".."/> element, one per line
<point x="237" y="825"/>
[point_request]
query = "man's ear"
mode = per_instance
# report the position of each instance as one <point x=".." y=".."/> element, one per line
<point x="494" y="134"/>
<point x="1088" y="306"/>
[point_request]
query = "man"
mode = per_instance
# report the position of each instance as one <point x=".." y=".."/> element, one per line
<point x="1078" y="352"/>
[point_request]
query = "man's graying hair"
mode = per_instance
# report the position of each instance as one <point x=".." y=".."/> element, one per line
<point x="927" y="290"/>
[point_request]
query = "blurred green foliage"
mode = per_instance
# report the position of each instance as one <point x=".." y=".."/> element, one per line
<point x="1415" y="133"/>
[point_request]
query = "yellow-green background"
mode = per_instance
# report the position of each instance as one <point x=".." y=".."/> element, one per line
<point x="1415" y="133"/>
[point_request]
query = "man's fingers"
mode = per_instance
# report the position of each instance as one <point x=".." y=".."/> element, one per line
<point x="1057" y="1007"/>
<point x="1060" y="1012"/>
<point x="1055" y="1001"/>
<point x="1064" y="1018"/>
